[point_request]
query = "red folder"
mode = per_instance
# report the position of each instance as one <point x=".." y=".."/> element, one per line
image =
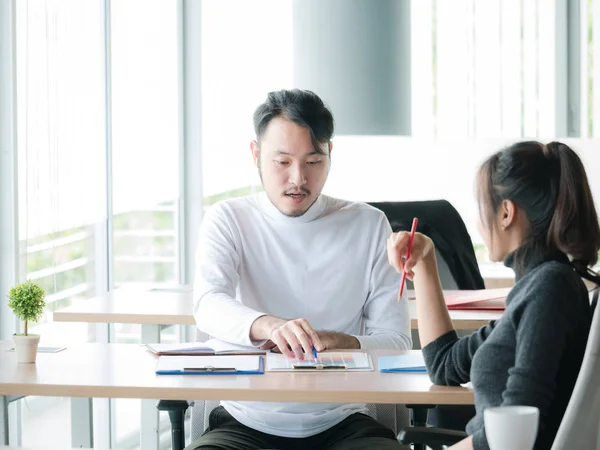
<point x="490" y="299"/>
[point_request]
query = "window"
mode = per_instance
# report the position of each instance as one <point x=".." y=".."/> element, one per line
<point x="590" y="51"/>
<point x="486" y="69"/>
<point x="98" y="167"/>
<point x="61" y="168"/>
<point x="238" y="71"/>
<point x="145" y="141"/>
<point x="61" y="148"/>
<point x="145" y="165"/>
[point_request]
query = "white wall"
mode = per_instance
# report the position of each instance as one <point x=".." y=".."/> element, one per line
<point x="405" y="169"/>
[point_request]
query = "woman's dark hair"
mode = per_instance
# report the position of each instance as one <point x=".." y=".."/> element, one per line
<point x="304" y="108"/>
<point x="549" y="183"/>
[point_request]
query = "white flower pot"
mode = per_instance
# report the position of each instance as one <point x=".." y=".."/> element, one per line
<point x="26" y="347"/>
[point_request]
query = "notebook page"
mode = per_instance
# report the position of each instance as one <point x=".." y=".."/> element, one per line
<point x="196" y="347"/>
<point x="224" y="347"/>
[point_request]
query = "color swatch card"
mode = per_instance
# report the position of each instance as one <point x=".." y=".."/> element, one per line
<point x="326" y="361"/>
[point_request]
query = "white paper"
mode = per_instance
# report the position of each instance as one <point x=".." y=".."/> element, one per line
<point x="215" y="346"/>
<point x="222" y="347"/>
<point x="248" y="363"/>
<point x="198" y="347"/>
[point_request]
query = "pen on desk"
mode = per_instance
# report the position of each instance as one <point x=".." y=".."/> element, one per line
<point x="410" y="242"/>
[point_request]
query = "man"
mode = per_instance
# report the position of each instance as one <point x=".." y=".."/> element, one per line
<point x="292" y="269"/>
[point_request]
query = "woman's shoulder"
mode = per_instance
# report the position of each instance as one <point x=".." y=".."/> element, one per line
<point x="555" y="273"/>
<point x="554" y="266"/>
<point x="551" y="283"/>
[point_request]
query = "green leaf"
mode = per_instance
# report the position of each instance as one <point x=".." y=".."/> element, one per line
<point x="27" y="301"/>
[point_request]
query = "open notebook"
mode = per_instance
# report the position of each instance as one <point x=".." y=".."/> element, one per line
<point x="210" y="347"/>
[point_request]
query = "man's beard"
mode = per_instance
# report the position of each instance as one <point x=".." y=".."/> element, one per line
<point x="295" y="213"/>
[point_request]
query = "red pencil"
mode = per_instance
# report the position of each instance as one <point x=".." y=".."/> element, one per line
<point x="410" y="242"/>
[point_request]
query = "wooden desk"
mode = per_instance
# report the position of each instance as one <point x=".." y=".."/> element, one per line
<point x="154" y="308"/>
<point x="128" y="306"/>
<point x="462" y="319"/>
<point x="167" y="308"/>
<point x="50" y="447"/>
<point x="127" y="371"/>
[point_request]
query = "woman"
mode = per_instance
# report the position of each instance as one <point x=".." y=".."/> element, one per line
<point x="537" y="215"/>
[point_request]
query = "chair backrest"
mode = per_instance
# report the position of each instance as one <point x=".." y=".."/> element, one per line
<point x="580" y="425"/>
<point x="439" y="220"/>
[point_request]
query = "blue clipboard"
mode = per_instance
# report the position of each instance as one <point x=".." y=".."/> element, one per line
<point x="211" y="365"/>
<point x="410" y="363"/>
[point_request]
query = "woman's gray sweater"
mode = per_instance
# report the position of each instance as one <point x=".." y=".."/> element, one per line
<point x="531" y="356"/>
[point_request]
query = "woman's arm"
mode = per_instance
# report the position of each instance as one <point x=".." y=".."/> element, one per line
<point x="421" y="267"/>
<point x="448" y="358"/>
<point x="432" y="313"/>
<point x="465" y="444"/>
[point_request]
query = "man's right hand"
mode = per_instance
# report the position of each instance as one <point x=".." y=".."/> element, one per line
<point x="295" y="338"/>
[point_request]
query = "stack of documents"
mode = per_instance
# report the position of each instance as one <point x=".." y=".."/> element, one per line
<point x="211" y="365"/>
<point x="493" y="299"/>
<point x="412" y="362"/>
<point x="210" y="347"/>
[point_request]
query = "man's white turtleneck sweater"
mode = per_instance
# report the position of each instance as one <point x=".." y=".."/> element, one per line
<point x="328" y="266"/>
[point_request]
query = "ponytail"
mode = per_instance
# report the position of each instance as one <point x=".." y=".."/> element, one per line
<point x="549" y="183"/>
<point x="574" y="228"/>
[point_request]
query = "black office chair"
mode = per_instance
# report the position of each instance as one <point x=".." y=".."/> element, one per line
<point x="176" y="410"/>
<point x="458" y="269"/>
<point x="441" y="222"/>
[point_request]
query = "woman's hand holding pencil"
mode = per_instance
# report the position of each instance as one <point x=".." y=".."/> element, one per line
<point x="405" y="250"/>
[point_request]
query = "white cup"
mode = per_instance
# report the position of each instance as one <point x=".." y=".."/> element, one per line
<point x="511" y="427"/>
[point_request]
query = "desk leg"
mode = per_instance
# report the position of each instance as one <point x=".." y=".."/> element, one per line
<point x="82" y="422"/>
<point x="4" y="420"/>
<point x="149" y="431"/>
<point x="10" y="424"/>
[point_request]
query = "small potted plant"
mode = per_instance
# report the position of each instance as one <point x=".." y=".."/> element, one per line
<point x="27" y="302"/>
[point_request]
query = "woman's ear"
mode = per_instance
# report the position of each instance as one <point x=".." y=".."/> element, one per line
<point x="508" y="212"/>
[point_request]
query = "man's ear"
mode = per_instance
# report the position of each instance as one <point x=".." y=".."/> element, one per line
<point x="508" y="214"/>
<point x="255" y="149"/>
<point x="330" y="147"/>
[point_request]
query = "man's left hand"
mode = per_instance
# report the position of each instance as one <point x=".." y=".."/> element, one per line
<point x="332" y="340"/>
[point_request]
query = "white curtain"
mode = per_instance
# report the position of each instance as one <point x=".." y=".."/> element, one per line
<point x="486" y="69"/>
<point x="60" y="115"/>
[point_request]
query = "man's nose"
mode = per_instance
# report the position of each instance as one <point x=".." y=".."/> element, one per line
<point x="297" y="176"/>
